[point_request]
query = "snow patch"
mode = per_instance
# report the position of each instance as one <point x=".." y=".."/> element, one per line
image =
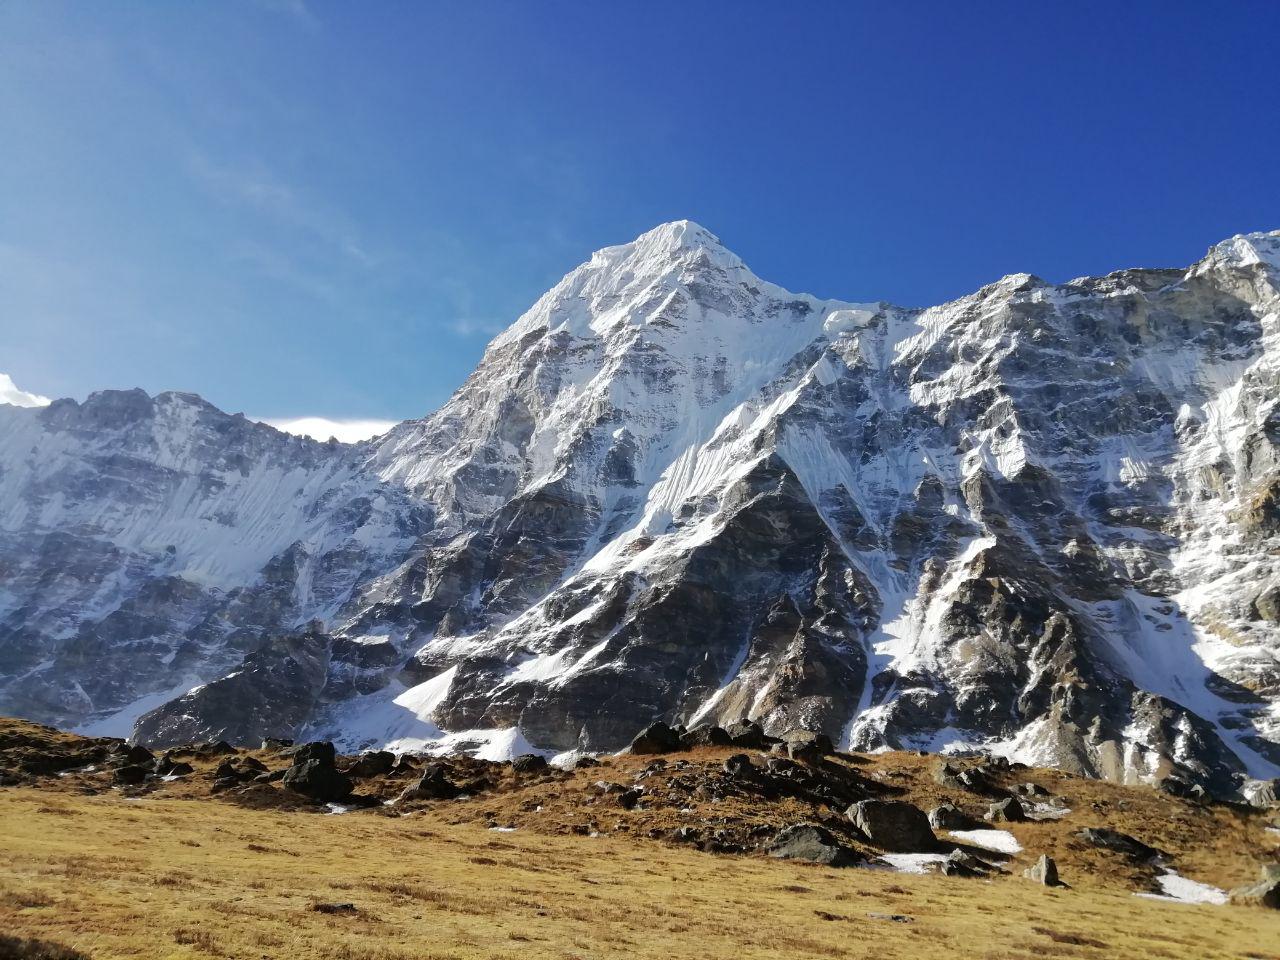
<point x="1001" y="841"/>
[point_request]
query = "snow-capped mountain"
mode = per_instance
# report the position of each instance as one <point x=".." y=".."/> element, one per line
<point x="1043" y="519"/>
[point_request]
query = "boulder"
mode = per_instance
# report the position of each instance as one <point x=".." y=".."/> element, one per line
<point x="656" y="738"/>
<point x="947" y="775"/>
<point x="808" y="841"/>
<point x="214" y="748"/>
<point x="1008" y="810"/>
<point x="749" y="734"/>
<point x="976" y="780"/>
<point x="1043" y="871"/>
<point x="320" y="750"/>
<point x="706" y="735"/>
<point x="948" y="816"/>
<point x="223" y="784"/>
<point x="375" y="763"/>
<point x="893" y="825"/>
<point x="959" y="863"/>
<point x="1264" y="893"/>
<point x="1181" y="787"/>
<point x="530" y="763"/>
<point x="132" y="755"/>
<point x="132" y="773"/>
<point x="1265" y="793"/>
<point x="434" y="784"/>
<point x="1109" y="839"/>
<point x="318" y="780"/>
<point x="804" y="744"/>
<point x="627" y="799"/>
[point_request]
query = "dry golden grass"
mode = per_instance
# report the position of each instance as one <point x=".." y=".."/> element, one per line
<point x="160" y="877"/>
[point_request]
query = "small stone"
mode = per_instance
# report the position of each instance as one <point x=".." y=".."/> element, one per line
<point x="1008" y="810"/>
<point x="334" y="907"/>
<point x="1044" y="871"/>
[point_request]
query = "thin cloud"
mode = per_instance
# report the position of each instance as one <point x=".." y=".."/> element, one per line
<point x="253" y="185"/>
<point x="322" y="428"/>
<point x="297" y="9"/>
<point x="10" y="394"/>
<point x="466" y="327"/>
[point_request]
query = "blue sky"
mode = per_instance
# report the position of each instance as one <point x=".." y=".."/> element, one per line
<point x="302" y="208"/>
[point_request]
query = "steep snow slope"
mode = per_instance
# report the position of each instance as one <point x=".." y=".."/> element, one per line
<point x="1042" y="519"/>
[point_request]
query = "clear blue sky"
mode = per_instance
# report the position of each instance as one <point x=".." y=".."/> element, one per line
<point x="299" y="207"/>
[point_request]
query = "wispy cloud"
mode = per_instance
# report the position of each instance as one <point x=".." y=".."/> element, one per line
<point x="252" y="184"/>
<point x="467" y="327"/>
<point x="322" y="428"/>
<point x="10" y="394"/>
<point x="297" y="9"/>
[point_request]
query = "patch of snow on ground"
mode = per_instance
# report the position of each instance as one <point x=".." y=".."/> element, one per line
<point x="912" y="862"/>
<point x="1001" y="841"/>
<point x="1047" y="811"/>
<point x="1180" y="889"/>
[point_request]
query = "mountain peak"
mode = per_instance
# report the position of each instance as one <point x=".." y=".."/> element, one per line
<point x="678" y="241"/>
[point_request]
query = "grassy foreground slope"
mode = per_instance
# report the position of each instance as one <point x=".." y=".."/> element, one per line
<point x="153" y="878"/>
<point x="197" y="865"/>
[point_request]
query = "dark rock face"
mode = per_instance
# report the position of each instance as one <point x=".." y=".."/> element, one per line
<point x="893" y="825"/>
<point x="275" y="689"/>
<point x="806" y="841"/>
<point x="702" y="507"/>
<point x="318" y="780"/>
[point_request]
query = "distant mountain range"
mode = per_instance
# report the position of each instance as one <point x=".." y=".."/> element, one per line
<point x="1043" y="519"/>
